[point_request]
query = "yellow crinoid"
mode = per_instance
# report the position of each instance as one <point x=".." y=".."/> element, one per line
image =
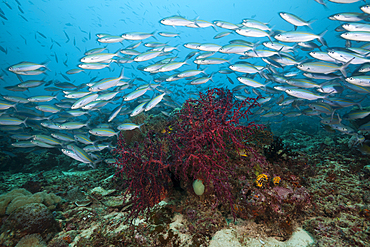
<point x="260" y="179"/>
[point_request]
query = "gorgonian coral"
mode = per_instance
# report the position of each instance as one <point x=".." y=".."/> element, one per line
<point x="144" y="173"/>
<point x="205" y="141"/>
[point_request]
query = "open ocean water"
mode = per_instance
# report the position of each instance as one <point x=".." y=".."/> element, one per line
<point x="75" y="74"/>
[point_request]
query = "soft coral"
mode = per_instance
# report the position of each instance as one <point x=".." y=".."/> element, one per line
<point x="144" y="173"/>
<point x="204" y="141"/>
<point x="207" y="138"/>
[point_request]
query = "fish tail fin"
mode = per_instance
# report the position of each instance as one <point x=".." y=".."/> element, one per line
<point x="122" y="75"/>
<point x="24" y="122"/>
<point x="204" y="71"/>
<point x="269" y="36"/>
<point x="210" y="77"/>
<point x="359" y="103"/>
<point x="118" y="52"/>
<point x="140" y="127"/>
<point x="321" y="38"/>
<point x="339" y="119"/>
<point x="254" y="48"/>
<point x="196" y="21"/>
<point x="152" y="33"/>
<point x="15" y="106"/>
<point x="344" y="66"/>
<point x="310" y="22"/>
<point x="19" y="78"/>
<point x="332" y="115"/>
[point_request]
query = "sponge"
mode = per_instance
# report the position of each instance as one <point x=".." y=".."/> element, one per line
<point x="198" y="187"/>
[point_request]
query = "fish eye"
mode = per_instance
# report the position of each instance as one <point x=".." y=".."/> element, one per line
<point x="351" y="78"/>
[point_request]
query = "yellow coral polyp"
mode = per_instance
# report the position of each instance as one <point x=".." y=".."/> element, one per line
<point x="276" y="180"/>
<point x="260" y="179"/>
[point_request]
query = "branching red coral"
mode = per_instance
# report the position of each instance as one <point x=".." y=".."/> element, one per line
<point x="207" y="136"/>
<point x="205" y="142"/>
<point x="144" y="173"/>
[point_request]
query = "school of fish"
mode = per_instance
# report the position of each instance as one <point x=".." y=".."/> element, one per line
<point x="328" y="83"/>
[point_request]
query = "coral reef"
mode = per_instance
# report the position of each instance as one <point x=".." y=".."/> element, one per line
<point x="31" y="218"/>
<point x="143" y="172"/>
<point x="205" y="139"/>
<point x="305" y="181"/>
<point x="16" y="198"/>
<point x="32" y="240"/>
<point x="342" y="209"/>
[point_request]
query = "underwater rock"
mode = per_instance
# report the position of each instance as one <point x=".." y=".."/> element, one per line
<point x="229" y="237"/>
<point x="99" y="191"/>
<point x="31" y="218"/>
<point x="33" y="240"/>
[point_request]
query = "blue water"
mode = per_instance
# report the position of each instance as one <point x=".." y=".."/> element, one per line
<point x="79" y="18"/>
<point x="70" y="29"/>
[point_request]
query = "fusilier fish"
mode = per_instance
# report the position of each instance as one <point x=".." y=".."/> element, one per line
<point x="138" y="109"/>
<point x="99" y="57"/>
<point x="12" y="121"/>
<point x="129" y="126"/>
<point x="322" y="67"/>
<point x="359" y="80"/>
<point x="175" y="21"/>
<point x="107" y="83"/>
<point x="152" y="103"/>
<point x="26" y="66"/>
<point x="84" y="100"/>
<point x="294" y="20"/>
<point x="103" y="132"/>
<point x="137" y="35"/>
<point x="356" y="35"/>
<point x="297" y="36"/>
<point x="303" y="94"/>
<point x="136" y="94"/>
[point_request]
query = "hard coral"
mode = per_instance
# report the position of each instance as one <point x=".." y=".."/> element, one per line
<point x="30" y="218"/>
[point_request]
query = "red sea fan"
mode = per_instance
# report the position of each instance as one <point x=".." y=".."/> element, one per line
<point x="205" y="135"/>
<point x="143" y="172"/>
<point x="203" y="142"/>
